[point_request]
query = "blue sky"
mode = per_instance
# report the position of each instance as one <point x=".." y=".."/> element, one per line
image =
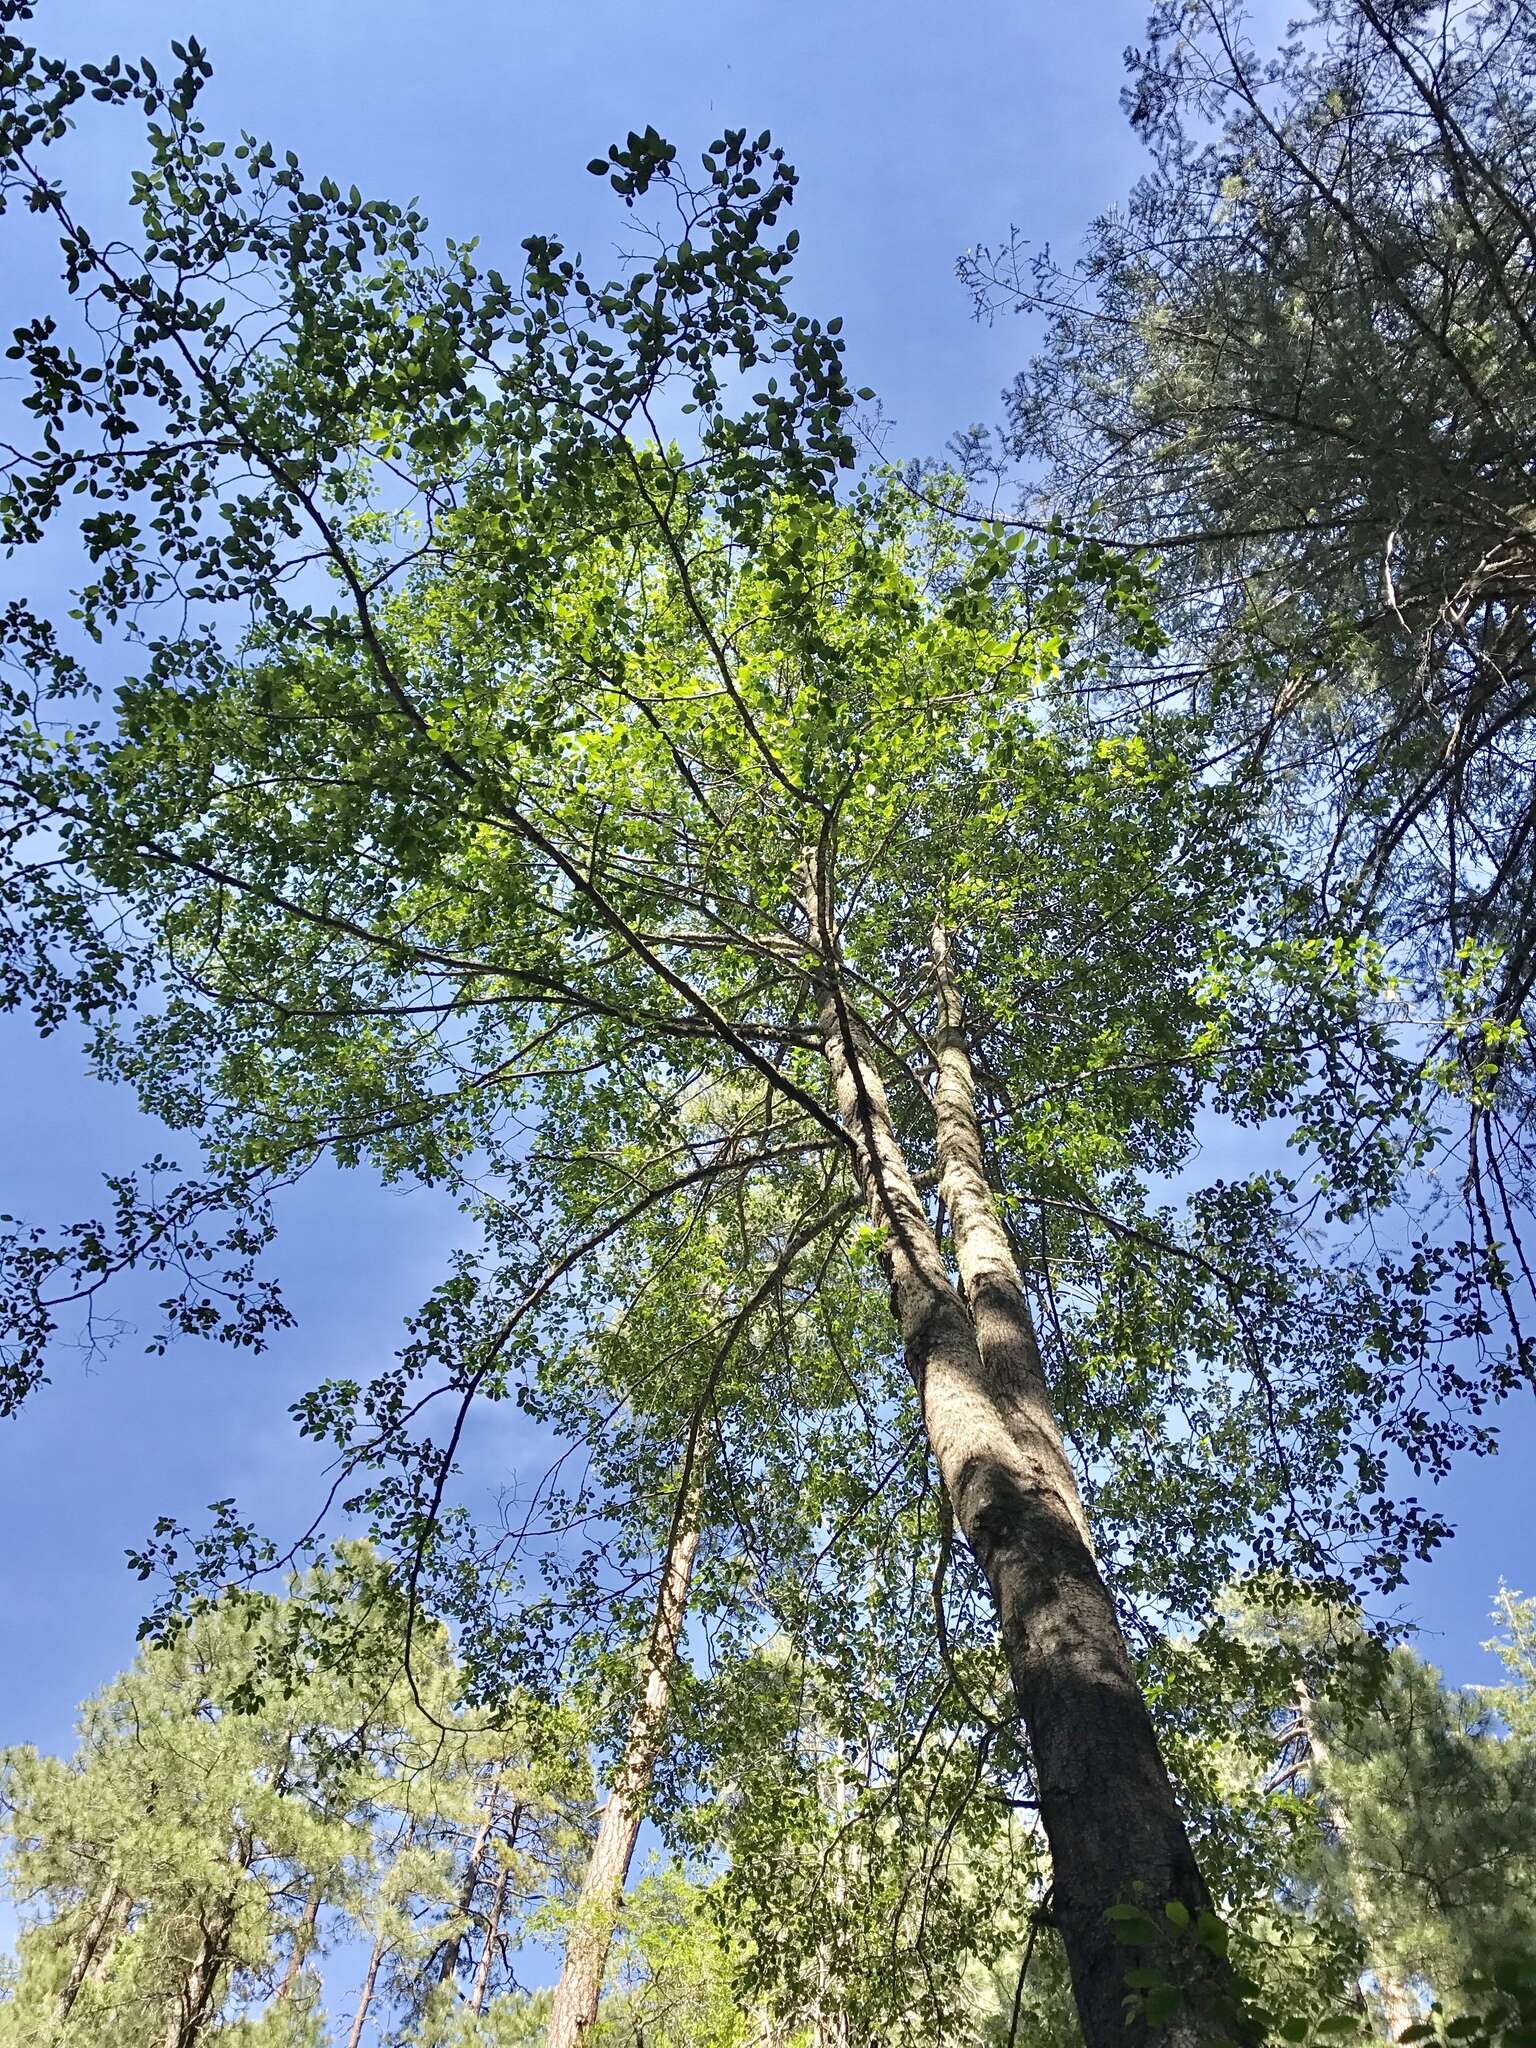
<point x="917" y="130"/>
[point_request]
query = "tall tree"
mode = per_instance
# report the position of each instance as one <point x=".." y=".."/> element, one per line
<point x="1431" y="1813"/>
<point x="157" y="1873"/>
<point x="602" y="776"/>
<point x="1384" y="1816"/>
<point x="586" y="1954"/>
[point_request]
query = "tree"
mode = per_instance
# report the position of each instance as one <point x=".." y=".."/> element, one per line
<point x="675" y="1979"/>
<point x="1383" y="1816"/>
<point x="163" y="1871"/>
<point x="180" y="1874"/>
<point x="1298" y="366"/>
<point x="622" y="825"/>
<point x="1432" y="1824"/>
<point x="586" y="1956"/>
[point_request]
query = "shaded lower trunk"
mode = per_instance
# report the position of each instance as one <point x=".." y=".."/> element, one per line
<point x="597" y="1907"/>
<point x="1106" y="1803"/>
<point x="92" y="1942"/>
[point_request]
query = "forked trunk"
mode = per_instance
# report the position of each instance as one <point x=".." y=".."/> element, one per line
<point x="91" y="1944"/>
<point x="1106" y="1803"/>
<point x="482" y="1984"/>
<point x="597" y="1906"/>
<point x="448" y="1954"/>
<point x="1105" y="1800"/>
<point x="196" y="2003"/>
<point x="122" y="1913"/>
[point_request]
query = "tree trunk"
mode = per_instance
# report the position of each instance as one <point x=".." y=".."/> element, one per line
<point x="195" y="2002"/>
<point x="482" y="1983"/>
<point x="90" y="1942"/>
<point x="1105" y="1800"/>
<point x="122" y="1913"/>
<point x="303" y="1941"/>
<point x="365" y="1996"/>
<point x="1399" y="2008"/>
<point x="448" y="1960"/>
<point x="597" y="1906"/>
<point x="829" y="2020"/>
<point x="1106" y="1804"/>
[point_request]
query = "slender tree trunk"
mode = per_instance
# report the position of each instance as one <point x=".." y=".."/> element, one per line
<point x="448" y="1959"/>
<point x="195" y="2003"/>
<point x="1399" y="2009"/>
<point x="365" y="1996"/>
<point x="1105" y="1800"/>
<point x="482" y="1983"/>
<point x="303" y="1941"/>
<point x="597" y="1906"/>
<point x="122" y="1913"/>
<point x="830" y="2019"/>
<point x="107" y="1907"/>
<point x="1106" y="1803"/>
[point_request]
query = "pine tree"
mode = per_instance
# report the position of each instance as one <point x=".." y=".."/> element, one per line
<point x="217" y="1830"/>
<point x="1386" y="1820"/>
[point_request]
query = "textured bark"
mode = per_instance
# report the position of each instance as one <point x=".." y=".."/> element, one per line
<point x="586" y="1951"/>
<point x="365" y="1995"/>
<point x="1105" y="1800"/>
<point x="482" y="1984"/>
<point x="108" y="1907"/>
<point x="195" y="2005"/>
<point x="1106" y="1804"/>
<point x="1400" y="2010"/>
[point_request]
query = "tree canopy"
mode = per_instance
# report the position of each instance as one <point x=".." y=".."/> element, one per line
<point x="1297" y="366"/>
<point x="535" y="762"/>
